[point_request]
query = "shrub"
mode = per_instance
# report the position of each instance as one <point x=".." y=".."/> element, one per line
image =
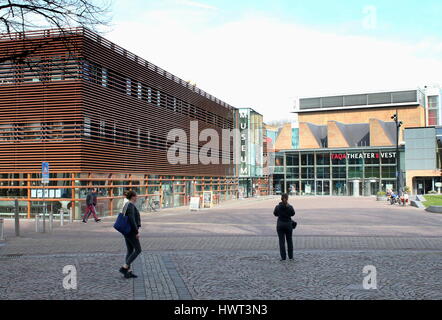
<point x="407" y="189"/>
<point x="381" y="193"/>
<point x="432" y="192"/>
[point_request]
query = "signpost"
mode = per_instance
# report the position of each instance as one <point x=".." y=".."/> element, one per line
<point x="44" y="181"/>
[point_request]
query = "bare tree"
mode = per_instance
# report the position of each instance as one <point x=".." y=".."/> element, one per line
<point x="19" y="16"/>
<point x="23" y="15"/>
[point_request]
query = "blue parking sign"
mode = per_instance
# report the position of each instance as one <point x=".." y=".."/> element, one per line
<point x="45" y="172"/>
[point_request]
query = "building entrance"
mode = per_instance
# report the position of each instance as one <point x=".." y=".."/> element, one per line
<point x="355" y="188"/>
<point x="323" y="187"/>
<point x="371" y="187"/>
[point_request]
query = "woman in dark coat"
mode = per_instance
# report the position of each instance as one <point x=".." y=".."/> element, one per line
<point x="133" y="238"/>
<point x="284" y="211"/>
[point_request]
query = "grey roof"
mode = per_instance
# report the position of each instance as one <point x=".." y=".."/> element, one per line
<point x="354" y="133"/>
<point x="319" y="132"/>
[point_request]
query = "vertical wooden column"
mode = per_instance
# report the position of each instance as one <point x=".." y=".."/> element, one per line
<point x="29" y="195"/>
<point x="111" y="194"/>
<point x="161" y="192"/>
<point x="73" y="195"/>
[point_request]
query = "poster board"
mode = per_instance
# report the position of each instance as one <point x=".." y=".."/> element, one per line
<point x="194" y="203"/>
<point x="207" y="199"/>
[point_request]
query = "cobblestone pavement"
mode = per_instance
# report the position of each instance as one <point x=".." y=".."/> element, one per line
<point x="312" y="275"/>
<point x="41" y="277"/>
<point x="230" y="252"/>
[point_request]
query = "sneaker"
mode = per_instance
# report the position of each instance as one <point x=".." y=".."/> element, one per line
<point x="98" y="220"/>
<point x="84" y="221"/>
<point x="130" y="275"/>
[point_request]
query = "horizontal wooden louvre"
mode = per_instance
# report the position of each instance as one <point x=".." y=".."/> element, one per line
<point x="87" y="105"/>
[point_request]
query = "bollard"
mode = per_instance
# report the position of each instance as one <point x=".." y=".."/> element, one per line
<point x="36" y="223"/>
<point x="51" y="219"/>
<point x="70" y="215"/>
<point x="17" y="219"/>
<point x="61" y="217"/>
<point x="1" y="230"/>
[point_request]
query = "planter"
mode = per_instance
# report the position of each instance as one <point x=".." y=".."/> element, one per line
<point x="381" y="198"/>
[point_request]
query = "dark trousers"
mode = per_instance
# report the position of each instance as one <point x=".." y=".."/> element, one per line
<point x="133" y="248"/>
<point x="285" y="233"/>
<point x="90" y="209"/>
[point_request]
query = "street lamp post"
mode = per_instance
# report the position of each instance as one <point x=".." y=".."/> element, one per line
<point x="398" y="157"/>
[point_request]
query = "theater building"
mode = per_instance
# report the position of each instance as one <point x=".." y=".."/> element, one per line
<point x="100" y="116"/>
<point x="347" y="144"/>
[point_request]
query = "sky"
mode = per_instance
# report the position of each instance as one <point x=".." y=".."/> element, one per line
<point x="267" y="54"/>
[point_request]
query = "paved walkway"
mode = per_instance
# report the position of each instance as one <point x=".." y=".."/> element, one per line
<point x="230" y="252"/>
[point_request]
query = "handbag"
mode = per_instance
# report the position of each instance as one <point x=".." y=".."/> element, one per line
<point x="122" y="224"/>
<point x="294" y="224"/>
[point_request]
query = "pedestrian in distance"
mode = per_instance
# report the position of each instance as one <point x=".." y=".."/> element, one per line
<point x="132" y="239"/>
<point x="91" y="203"/>
<point x="284" y="226"/>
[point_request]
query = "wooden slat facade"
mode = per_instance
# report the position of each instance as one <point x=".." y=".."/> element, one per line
<point x="90" y="107"/>
<point x="111" y="114"/>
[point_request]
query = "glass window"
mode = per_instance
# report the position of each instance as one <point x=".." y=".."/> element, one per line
<point x="354" y="172"/>
<point x="292" y="173"/>
<point x="433" y="102"/>
<point x="279" y="160"/>
<point x="323" y="173"/>
<point x="389" y="172"/>
<point x="373" y="159"/>
<point x="372" y="172"/>
<point x="432" y="117"/>
<point x="279" y="170"/>
<point x="307" y="160"/>
<point x="307" y="173"/>
<point x="307" y="187"/>
<point x="355" y="158"/>
<point x="339" y="188"/>
<point x="323" y="159"/>
<point x="391" y="160"/>
<point x="292" y="159"/>
<point x="339" y="159"/>
<point x="292" y="187"/>
<point x="339" y="173"/>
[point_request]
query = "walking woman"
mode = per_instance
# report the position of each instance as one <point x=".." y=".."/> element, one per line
<point x="284" y="226"/>
<point x="133" y="238"/>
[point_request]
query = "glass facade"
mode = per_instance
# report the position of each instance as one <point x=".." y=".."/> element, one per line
<point x="68" y="191"/>
<point x="340" y="172"/>
<point x="433" y="110"/>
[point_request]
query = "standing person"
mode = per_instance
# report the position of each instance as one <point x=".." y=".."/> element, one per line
<point x="91" y="203"/>
<point x="284" y="211"/>
<point x="133" y="238"/>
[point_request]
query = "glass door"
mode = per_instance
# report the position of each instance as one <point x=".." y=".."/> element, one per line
<point x="371" y="187"/>
<point x="355" y="189"/>
<point x="323" y="187"/>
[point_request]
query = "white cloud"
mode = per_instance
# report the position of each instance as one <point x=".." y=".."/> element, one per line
<point x="265" y="64"/>
<point x="196" y="4"/>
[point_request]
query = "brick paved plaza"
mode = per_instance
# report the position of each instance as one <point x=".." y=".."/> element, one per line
<point x="231" y="252"/>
